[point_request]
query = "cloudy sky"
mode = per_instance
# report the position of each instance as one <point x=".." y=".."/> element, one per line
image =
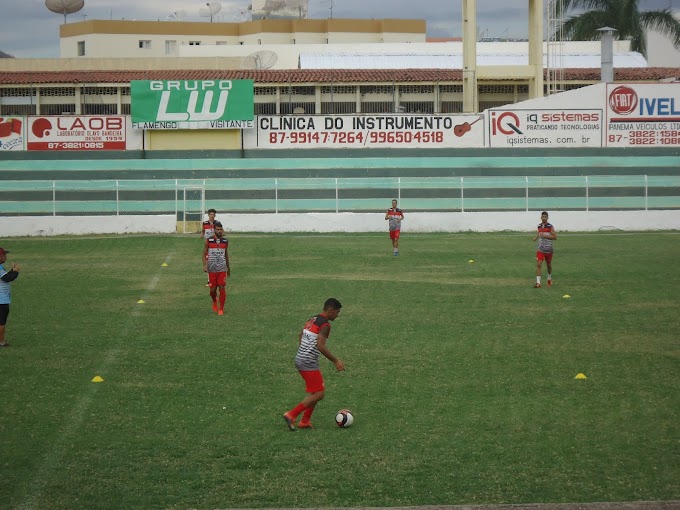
<point x="29" y="30"/>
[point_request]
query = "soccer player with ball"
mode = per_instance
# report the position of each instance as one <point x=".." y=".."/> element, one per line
<point x="312" y="341"/>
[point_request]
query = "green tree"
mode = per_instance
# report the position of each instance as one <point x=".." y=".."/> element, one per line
<point x="623" y="15"/>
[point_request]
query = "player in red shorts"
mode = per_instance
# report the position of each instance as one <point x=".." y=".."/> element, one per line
<point x="312" y="342"/>
<point x="394" y="215"/>
<point x="216" y="264"/>
<point x="544" y="249"/>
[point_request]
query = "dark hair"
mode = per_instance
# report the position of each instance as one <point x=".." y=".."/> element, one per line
<point x="544" y="212"/>
<point x="217" y="224"/>
<point x="212" y="210"/>
<point x="332" y="304"/>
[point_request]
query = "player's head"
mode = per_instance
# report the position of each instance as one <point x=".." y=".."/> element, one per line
<point x="212" y="213"/>
<point x="394" y="203"/>
<point x="3" y="255"/>
<point x="544" y="216"/>
<point x="331" y="308"/>
<point x="219" y="229"/>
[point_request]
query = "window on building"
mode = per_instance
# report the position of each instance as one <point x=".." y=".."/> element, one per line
<point x="144" y="45"/>
<point x="81" y="48"/>
<point x="194" y="43"/>
<point x="170" y="47"/>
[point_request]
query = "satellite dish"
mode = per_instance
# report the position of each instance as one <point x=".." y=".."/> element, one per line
<point x="210" y="10"/>
<point x="263" y="59"/>
<point x="64" y="6"/>
<point x="176" y="15"/>
<point x="244" y="14"/>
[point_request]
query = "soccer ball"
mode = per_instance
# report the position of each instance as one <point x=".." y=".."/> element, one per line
<point x="344" y="418"/>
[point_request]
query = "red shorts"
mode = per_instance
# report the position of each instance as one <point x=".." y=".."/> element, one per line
<point x="217" y="279"/>
<point x="313" y="379"/>
<point x="394" y="234"/>
<point x="544" y="256"/>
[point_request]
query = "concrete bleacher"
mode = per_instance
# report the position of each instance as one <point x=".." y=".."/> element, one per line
<point x="320" y="181"/>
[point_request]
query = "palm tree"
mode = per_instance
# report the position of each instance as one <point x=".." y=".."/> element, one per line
<point x="623" y="15"/>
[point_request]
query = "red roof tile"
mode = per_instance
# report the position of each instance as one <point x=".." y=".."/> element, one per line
<point x="310" y="76"/>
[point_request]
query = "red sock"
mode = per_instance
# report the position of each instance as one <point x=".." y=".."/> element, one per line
<point x="223" y="298"/>
<point x="293" y="413"/>
<point x="307" y="415"/>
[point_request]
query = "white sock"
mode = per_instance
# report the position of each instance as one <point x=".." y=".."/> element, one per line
<point x="538" y="279"/>
<point x="549" y="277"/>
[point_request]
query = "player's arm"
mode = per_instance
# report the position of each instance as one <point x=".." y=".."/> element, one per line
<point x="205" y="256"/>
<point x="10" y="276"/>
<point x="538" y="234"/>
<point x="321" y="345"/>
<point x="226" y="259"/>
<point x="387" y="215"/>
<point x="401" y="213"/>
<point x="553" y="234"/>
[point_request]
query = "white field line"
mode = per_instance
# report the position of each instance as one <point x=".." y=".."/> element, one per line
<point x="52" y="458"/>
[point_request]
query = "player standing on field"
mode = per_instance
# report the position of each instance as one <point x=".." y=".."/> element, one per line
<point x="216" y="264"/>
<point x="312" y="342"/>
<point x="6" y="278"/>
<point x="208" y="228"/>
<point x="544" y="249"/>
<point x="394" y="215"/>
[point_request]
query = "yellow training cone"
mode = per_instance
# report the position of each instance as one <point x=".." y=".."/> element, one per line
<point x="580" y="375"/>
<point x="141" y="302"/>
<point x="471" y="261"/>
<point x="96" y="378"/>
<point x="566" y="296"/>
<point x="164" y="264"/>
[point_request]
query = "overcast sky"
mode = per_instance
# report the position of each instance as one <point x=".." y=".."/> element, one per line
<point x="29" y="30"/>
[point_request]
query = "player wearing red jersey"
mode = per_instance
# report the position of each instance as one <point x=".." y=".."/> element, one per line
<point x="208" y="228"/>
<point x="216" y="264"/>
<point x="394" y="215"/>
<point x="544" y="249"/>
<point x="312" y="342"/>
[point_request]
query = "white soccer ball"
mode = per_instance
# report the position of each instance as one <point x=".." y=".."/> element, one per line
<point x="344" y="418"/>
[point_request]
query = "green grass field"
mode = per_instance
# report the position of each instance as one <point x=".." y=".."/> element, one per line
<point x="461" y="376"/>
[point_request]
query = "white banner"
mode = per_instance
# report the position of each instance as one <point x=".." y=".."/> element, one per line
<point x="643" y="115"/>
<point x="365" y="131"/>
<point x="545" y="128"/>
<point x="12" y="133"/>
<point x="81" y="132"/>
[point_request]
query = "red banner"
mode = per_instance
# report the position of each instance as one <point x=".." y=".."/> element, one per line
<point x="77" y="133"/>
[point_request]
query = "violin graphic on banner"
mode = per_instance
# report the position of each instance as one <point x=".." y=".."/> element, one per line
<point x="465" y="127"/>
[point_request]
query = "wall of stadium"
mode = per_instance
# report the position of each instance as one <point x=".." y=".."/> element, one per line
<point x="564" y="221"/>
<point x="202" y="140"/>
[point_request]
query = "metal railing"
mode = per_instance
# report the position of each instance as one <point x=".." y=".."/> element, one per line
<point x="184" y="197"/>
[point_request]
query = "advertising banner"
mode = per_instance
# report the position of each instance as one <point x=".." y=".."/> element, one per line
<point x="545" y="128"/>
<point x="192" y="104"/>
<point x="12" y="133"/>
<point x="643" y="115"/>
<point x="365" y="131"/>
<point x="78" y="133"/>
